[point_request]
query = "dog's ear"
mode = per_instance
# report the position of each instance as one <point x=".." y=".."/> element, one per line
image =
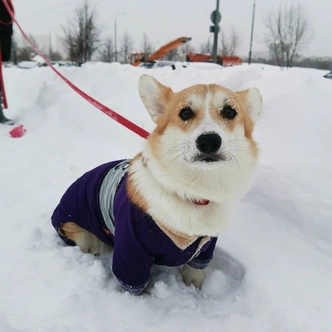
<point x="153" y="95"/>
<point x="253" y="101"/>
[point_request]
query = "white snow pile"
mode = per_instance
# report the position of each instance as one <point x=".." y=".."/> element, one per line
<point x="273" y="267"/>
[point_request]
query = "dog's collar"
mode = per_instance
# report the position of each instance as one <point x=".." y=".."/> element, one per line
<point x="201" y="202"/>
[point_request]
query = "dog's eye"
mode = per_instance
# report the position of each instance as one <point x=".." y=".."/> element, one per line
<point x="186" y="114"/>
<point x="228" y="112"/>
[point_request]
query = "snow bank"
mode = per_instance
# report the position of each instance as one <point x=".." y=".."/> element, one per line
<point x="272" y="269"/>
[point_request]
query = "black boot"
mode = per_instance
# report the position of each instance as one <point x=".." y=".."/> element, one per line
<point x="4" y="120"/>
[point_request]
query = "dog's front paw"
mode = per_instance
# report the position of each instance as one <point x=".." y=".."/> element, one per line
<point x="192" y="276"/>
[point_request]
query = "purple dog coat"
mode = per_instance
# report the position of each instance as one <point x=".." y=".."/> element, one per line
<point x="137" y="240"/>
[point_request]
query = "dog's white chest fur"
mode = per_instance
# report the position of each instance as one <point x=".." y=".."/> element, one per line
<point x="176" y="210"/>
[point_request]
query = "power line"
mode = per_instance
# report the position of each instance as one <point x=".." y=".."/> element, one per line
<point x="55" y="7"/>
<point x="48" y="10"/>
<point x="49" y="18"/>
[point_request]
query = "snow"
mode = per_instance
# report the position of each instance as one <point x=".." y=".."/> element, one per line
<point x="273" y="266"/>
<point x="37" y="58"/>
<point x="27" y="64"/>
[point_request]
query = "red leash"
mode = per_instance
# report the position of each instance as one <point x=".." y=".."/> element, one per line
<point x="112" y="114"/>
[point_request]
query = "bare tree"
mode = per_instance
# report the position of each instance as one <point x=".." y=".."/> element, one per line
<point x="172" y="55"/>
<point x="288" y="30"/>
<point x="206" y="48"/>
<point x="25" y="52"/>
<point x="127" y="46"/>
<point x="187" y="48"/>
<point x="230" y="42"/>
<point x="81" y="35"/>
<point x="106" y="51"/>
<point x="55" y="56"/>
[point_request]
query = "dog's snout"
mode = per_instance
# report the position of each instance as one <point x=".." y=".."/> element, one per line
<point x="208" y="143"/>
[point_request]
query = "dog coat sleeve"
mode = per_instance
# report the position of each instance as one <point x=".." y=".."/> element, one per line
<point x="203" y="259"/>
<point x="136" y="242"/>
<point x="131" y="265"/>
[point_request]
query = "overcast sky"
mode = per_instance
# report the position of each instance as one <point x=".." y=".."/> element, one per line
<point x="165" y="20"/>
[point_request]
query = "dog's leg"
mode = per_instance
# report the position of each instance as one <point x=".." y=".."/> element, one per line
<point x="192" y="276"/>
<point x="87" y="241"/>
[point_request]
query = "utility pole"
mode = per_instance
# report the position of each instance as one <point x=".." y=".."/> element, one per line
<point x="115" y="43"/>
<point x="252" y="30"/>
<point x="50" y="51"/>
<point x="116" y="38"/>
<point x="216" y="19"/>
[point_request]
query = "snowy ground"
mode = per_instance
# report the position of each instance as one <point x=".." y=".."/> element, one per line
<point x="281" y="235"/>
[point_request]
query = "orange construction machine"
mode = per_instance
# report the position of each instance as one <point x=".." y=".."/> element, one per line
<point x="225" y="61"/>
<point x="138" y="58"/>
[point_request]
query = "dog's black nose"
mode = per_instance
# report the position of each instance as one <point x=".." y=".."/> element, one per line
<point x="208" y="143"/>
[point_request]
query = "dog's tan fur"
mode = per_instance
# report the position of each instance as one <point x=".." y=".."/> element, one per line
<point x="87" y="241"/>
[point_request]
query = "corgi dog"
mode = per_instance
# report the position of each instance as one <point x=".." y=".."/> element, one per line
<point x="167" y="204"/>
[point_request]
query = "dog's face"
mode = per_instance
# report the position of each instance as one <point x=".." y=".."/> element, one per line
<point x="202" y="127"/>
